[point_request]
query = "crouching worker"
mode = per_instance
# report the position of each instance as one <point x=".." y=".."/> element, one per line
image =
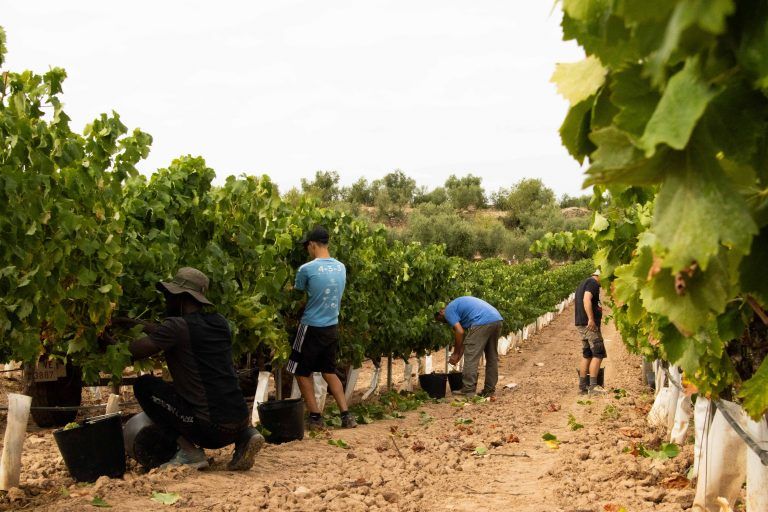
<point x="204" y="406"/>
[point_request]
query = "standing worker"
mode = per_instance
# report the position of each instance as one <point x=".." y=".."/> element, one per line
<point x="204" y="406"/>
<point x="589" y="313"/>
<point x="317" y="339"/>
<point x="476" y="329"/>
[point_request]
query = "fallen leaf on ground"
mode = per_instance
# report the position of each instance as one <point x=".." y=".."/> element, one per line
<point x="166" y="498"/>
<point x="512" y="438"/>
<point x="675" y="482"/>
<point x="553" y="407"/>
<point x="99" y="502"/>
<point x="418" y="446"/>
<point x="630" y="432"/>
<point x="612" y="507"/>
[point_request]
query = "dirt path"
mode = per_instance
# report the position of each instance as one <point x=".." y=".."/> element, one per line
<point x="428" y="460"/>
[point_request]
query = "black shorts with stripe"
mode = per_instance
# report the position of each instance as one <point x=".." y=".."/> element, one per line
<point x="314" y="350"/>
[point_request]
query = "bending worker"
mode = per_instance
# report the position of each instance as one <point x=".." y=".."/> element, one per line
<point x="476" y="329"/>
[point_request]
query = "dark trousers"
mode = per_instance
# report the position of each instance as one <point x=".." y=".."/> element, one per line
<point x="171" y="412"/>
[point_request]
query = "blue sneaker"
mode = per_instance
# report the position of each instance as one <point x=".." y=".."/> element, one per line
<point x="194" y="459"/>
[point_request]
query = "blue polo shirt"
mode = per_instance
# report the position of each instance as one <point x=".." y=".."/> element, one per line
<point x="323" y="279"/>
<point x="471" y="312"/>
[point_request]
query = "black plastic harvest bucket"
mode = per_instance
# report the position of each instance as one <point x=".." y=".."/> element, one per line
<point x="456" y="380"/>
<point x="433" y="384"/>
<point x="93" y="449"/>
<point x="284" y="419"/>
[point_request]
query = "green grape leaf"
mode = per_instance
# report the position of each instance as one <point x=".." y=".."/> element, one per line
<point x="706" y="292"/>
<point x="100" y="502"/>
<point x="574" y="131"/>
<point x="754" y="392"/>
<point x="166" y="498"/>
<point x="752" y="269"/>
<point x="618" y="160"/>
<point x="636" y="99"/>
<point x="684" y="100"/>
<point x="691" y="198"/>
<point x="578" y="81"/>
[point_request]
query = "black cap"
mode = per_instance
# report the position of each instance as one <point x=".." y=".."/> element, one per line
<point x="319" y="234"/>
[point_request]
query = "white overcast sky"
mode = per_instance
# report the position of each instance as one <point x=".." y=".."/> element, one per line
<point x="289" y="87"/>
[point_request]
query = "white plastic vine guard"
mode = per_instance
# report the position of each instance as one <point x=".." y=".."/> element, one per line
<point x="321" y="389"/>
<point x="352" y="376"/>
<point x="262" y="391"/>
<point x="375" y="377"/>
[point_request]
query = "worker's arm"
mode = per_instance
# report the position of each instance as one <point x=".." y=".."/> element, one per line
<point x="588" y="309"/>
<point x="143" y="348"/>
<point x="458" y="343"/>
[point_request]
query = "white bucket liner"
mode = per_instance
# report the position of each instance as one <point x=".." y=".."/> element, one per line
<point x="722" y="466"/>
<point x="702" y="419"/>
<point x="375" y="377"/>
<point x="503" y="345"/>
<point x="262" y="391"/>
<point x="757" y="473"/>
<point x="321" y="390"/>
<point x="352" y="376"/>
<point x="407" y="377"/>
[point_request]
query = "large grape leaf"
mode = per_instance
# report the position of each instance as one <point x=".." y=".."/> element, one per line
<point x="696" y="210"/>
<point x="577" y="81"/>
<point x="575" y="130"/>
<point x="706" y="293"/>
<point x="708" y="15"/>
<point x="618" y="160"/>
<point x="684" y="100"/>
<point x="753" y="47"/>
<point x="632" y="93"/>
<point x="754" y="392"/>
<point x="753" y="269"/>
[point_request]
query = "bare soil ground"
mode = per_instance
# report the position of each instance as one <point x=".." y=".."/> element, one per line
<point x="418" y="463"/>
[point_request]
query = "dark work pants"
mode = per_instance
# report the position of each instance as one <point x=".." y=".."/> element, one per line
<point x="171" y="412"/>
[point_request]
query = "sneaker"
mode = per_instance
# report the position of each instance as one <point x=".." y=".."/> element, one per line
<point x="246" y="449"/>
<point x="194" y="459"/>
<point x="597" y="390"/>
<point x="487" y="393"/>
<point x="348" y="421"/>
<point x="583" y="391"/>
<point x="315" y="424"/>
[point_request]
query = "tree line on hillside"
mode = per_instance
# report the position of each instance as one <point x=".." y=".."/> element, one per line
<point x="457" y="214"/>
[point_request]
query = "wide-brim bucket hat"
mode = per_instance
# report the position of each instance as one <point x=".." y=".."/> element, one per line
<point x="188" y="280"/>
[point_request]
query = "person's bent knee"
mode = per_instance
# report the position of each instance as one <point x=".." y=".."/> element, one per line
<point x="143" y="386"/>
<point x="598" y="350"/>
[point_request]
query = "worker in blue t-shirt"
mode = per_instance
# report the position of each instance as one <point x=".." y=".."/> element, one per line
<point x="317" y="340"/>
<point x="476" y="329"/>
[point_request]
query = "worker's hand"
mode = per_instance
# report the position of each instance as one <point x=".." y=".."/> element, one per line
<point x="105" y="339"/>
<point x="124" y="321"/>
<point x="591" y="326"/>
<point x="454" y="359"/>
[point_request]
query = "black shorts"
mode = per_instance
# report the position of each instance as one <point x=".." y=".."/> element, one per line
<point x="314" y="350"/>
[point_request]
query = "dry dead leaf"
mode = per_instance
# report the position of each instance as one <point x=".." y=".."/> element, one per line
<point x="418" y="446"/>
<point x="630" y="432"/>
<point x="553" y="407"/>
<point x="675" y="482"/>
<point x="512" y="438"/>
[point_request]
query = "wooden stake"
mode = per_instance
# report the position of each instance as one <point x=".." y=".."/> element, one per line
<point x="13" y="442"/>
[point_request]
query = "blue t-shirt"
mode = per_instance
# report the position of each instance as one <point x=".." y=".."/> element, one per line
<point x="470" y="312"/>
<point x="323" y="279"/>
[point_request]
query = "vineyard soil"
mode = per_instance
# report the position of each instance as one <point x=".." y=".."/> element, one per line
<point x="431" y="459"/>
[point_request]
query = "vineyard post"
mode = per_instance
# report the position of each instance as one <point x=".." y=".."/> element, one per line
<point x="279" y="383"/>
<point x="389" y="372"/>
<point x="13" y="441"/>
